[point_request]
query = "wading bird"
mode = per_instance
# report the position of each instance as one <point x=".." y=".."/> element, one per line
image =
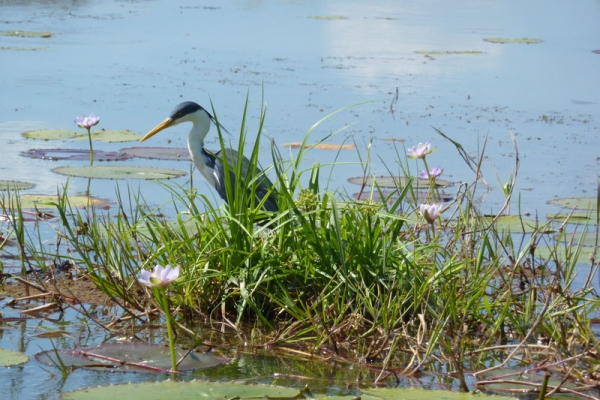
<point x="209" y="164"/>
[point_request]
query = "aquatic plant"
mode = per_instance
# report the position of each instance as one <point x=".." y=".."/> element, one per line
<point x="160" y="278"/>
<point x="87" y="123"/>
<point x="433" y="173"/>
<point x="363" y="281"/>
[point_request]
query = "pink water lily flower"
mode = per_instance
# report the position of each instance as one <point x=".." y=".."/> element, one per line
<point x="430" y="212"/>
<point x="433" y="173"/>
<point x="87" y="122"/>
<point x="160" y="278"/>
<point x="420" y="150"/>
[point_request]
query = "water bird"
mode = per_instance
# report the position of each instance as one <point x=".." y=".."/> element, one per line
<point x="211" y="164"/>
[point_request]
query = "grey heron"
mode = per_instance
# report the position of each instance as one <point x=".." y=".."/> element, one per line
<point x="211" y="165"/>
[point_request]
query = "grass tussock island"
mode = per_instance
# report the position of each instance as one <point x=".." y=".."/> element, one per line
<point x="404" y="281"/>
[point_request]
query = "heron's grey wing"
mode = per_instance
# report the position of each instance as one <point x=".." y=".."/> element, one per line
<point x="262" y="189"/>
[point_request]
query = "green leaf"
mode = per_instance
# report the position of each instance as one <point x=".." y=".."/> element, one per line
<point x="103" y="135"/>
<point x="120" y="172"/>
<point x="423" y="394"/>
<point x="15" y="185"/>
<point x="9" y="358"/>
<point x="40" y="201"/>
<point x="184" y="390"/>
<point x="582" y="203"/>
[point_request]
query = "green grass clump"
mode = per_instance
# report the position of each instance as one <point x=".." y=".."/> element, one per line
<point x="370" y="281"/>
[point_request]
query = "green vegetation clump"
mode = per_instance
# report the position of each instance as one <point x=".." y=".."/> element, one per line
<point x="402" y="284"/>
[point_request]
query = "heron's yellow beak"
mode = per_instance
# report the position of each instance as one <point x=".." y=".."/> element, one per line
<point x="163" y="125"/>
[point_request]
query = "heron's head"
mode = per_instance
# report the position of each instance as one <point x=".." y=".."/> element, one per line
<point x="187" y="111"/>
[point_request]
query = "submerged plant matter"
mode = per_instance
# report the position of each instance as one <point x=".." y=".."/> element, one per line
<point x="362" y="281"/>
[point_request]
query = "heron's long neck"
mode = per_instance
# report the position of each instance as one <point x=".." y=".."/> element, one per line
<point x="200" y="157"/>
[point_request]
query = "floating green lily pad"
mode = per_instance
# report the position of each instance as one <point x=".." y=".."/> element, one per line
<point x="582" y="203"/>
<point x="119" y="172"/>
<point x="512" y="223"/>
<point x="505" y="41"/>
<point x="15" y="185"/>
<point x="122" y="357"/>
<point x="75" y="154"/>
<point x="103" y="135"/>
<point x="159" y="153"/>
<point x="574" y="218"/>
<point x="550" y="253"/>
<point x="3" y="48"/>
<point x="327" y="17"/>
<point x="26" y="34"/>
<point x="444" y="53"/>
<point x="196" y="389"/>
<point x="39" y="201"/>
<point x="398" y="181"/>
<point x="424" y="394"/>
<point x="9" y="358"/>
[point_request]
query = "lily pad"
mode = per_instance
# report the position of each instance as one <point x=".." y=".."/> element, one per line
<point x="120" y="172"/>
<point x="26" y="34"/>
<point x="39" y="201"/>
<point x="196" y="389"/>
<point x="398" y="181"/>
<point x="159" y="153"/>
<point x="15" y="185"/>
<point x="129" y="357"/>
<point x="423" y="394"/>
<point x="9" y="358"/>
<point x="103" y="135"/>
<point x="505" y="41"/>
<point x="444" y="53"/>
<point x="321" y="146"/>
<point x="512" y="223"/>
<point x="583" y="203"/>
<point x="574" y="218"/>
<point x="75" y="154"/>
<point x="559" y="252"/>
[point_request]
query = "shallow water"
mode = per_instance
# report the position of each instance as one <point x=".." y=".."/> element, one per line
<point x="131" y="62"/>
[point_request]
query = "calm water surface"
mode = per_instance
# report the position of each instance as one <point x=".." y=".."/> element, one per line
<point x="131" y="62"/>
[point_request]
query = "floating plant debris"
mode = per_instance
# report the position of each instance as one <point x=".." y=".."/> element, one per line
<point x="159" y="153"/>
<point x="327" y="17"/>
<point x="75" y="154"/>
<point x="4" y="48"/>
<point x="321" y="146"/>
<point x="397" y="181"/>
<point x="119" y="172"/>
<point x="505" y="41"/>
<point x="26" y="34"/>
<point x="444" y="53"/>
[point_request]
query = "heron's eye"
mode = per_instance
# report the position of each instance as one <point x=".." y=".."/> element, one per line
<point x="179" y="114"/>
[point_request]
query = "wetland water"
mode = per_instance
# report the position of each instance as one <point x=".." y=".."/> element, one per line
<point x="131" y="62"/>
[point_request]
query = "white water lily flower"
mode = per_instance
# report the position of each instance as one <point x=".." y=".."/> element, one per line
<point x="160" y="278"/>
<point x="430" y="212"/>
